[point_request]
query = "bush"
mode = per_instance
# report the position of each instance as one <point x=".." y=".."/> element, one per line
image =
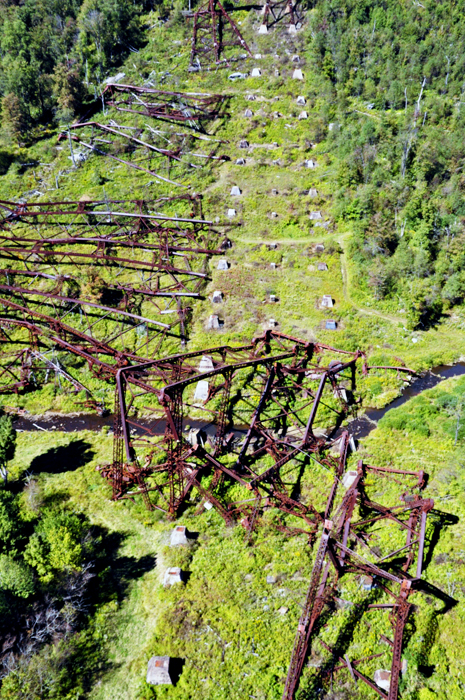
<point x="396" y="420"/>
<point x="7" y="443"/>
<point x="55" y="546"/>
<point x="16" y="576"/>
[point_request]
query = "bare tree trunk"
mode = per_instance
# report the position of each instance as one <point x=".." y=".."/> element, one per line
<point x="457" y="425"/>
<point x="71" y="148"/>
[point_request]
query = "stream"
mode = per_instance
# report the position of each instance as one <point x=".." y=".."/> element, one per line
<point x="359" y="427"/>
<point x="362" y="426"/>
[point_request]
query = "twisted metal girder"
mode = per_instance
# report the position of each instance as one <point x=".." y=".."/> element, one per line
<point x="334" y="553"/>
<point x="282" y="406"/>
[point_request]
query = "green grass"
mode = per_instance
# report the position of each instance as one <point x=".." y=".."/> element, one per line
<point x="221" y="609"/>
<point x="224" y="621"/>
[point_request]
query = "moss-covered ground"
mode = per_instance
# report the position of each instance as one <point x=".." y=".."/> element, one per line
<point x="224" y="622"/>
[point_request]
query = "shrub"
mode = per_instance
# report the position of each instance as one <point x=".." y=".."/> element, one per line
<point x="16" y="576"/>
<point x="14" y="117"/>
<point x="55" y="546"/>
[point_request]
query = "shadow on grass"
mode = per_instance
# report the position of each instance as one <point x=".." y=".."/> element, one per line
<point x="74" y="651"/>
<point x="66" y="458"/>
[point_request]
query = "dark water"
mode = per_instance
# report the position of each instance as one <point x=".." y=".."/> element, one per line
<point x="72" y="424"/>
<point x="360" y="427"/>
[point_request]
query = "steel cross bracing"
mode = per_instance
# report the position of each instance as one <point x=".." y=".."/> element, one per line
<point x="269" y="407"/>
<point x="215" y="36"/>
<point x="273" y="12"/>
<point x="181" y="154"/>
<point x="346" y="550"/>
<point x="124" y="217"/>
<point x="193" y="109"/>
<point x="113" y="281"/>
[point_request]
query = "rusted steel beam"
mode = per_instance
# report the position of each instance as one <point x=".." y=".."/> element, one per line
<point x="14" y="290"/>
<point x="425" y="510"/>
<point x="342" y="526"/>
<point x="213" y="32"/>
<point x="81" y="209"/>
<point x="308" y="428"/>
<point x="419" y="475"/>
<point x="400" y="613"/>
<point x="307" y="618"/>
<point x="68" y="256"/>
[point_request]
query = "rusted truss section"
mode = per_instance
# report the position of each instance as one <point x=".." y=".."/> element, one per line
<point x="114" y="282"/>
<point x="274" y="12"/>
<point x="271" y="368"/>
<point x="346" y="549"/>
<point x="269" y="407"/>
<point x="35" y="331"/>
<point x="192" y="109"/>
<point x="114" y="326"/>
<point x="30" y="368"/>
<point x="61" y="234"/>
<point x="129" y="218"/>
<point x="30" y="362"/>
<point x="215" y="38"/>
<point x="178" y="154"/>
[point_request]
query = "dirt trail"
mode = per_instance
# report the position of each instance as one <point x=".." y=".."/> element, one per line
<point x="346" y="287"/>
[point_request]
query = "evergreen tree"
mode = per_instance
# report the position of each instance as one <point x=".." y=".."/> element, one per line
<point x="68" y="90"/>
<point x="7" y="444"/>
<point x="14" y="117"/>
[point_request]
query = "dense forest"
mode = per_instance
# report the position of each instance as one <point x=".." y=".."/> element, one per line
<point x="54" y="55"/>
<point x="391" y="79"/>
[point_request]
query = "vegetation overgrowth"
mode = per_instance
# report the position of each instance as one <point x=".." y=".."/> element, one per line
<point x="80" y="576"/>
<point x="224" y="621"/>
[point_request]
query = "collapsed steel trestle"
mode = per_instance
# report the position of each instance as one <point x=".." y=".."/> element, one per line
<point x="291" y="402"/>
<point x="115" y="283"/>
<point x="194" y="109"/>
<point x="344" y="551"/>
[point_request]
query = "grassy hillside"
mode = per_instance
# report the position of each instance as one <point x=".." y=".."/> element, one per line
<point x="391" y="230"/>
<point x="383" y="86"/>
